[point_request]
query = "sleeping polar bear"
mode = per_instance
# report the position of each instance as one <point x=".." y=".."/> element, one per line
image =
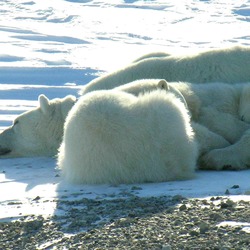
<point x="37" y="132"/>
<point x="223" y="109"/>
<point x="114" y="137"/>
<point x="230" y="65"/>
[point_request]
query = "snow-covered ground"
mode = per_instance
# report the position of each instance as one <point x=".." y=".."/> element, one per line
<point x="54" y="47"/>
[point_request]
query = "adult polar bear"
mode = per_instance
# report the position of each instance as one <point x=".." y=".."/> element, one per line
<point x="115" y="137"/>
<point x="228" y="65"/>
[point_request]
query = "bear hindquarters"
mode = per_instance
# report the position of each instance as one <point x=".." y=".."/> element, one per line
<point x="114" y="137"/>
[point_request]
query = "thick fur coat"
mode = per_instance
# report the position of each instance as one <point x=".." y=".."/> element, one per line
<point x="228" y="65"/>
<point x="115" y="137"/>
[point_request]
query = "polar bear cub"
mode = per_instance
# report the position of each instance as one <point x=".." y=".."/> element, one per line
<point x="37" y="132"/>
<point x="115" y="137"/>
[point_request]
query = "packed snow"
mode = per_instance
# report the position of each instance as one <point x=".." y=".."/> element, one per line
<point x="54" y="47"/>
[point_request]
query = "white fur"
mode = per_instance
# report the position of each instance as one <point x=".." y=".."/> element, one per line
<point x="220" y="117"/>
<point x="147" y="85"/>
<point x="229" y="65"/>
<point x="151" y="55"/>
<point x="219" y="114"/>
<point x="115" y="137"/>
<point x="37" y="132"/>
<point x="143" y="85"/>
<point x="216" y="109"/>
<point x="41" y="129"/>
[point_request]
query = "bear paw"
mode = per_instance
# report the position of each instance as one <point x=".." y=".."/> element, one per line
<point x="220" y="159"/>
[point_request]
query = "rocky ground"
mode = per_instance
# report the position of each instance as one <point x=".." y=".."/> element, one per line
<point x="135" y="223"/>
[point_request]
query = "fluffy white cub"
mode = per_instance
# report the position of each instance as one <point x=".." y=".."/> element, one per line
<point x="115" y="137"/>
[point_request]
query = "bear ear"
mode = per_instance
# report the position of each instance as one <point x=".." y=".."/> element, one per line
<point x="162" y="84"/>
<point x="44" y="103"/>
<point x="66" y="104"/>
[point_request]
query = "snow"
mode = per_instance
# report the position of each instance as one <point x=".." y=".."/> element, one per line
<point x="54" y="47"/>
<point x="245" y="226"/>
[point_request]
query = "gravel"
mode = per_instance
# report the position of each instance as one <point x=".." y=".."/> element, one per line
<point x="134" y="223"/>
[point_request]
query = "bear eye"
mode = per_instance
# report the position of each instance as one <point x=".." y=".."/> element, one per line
<point x="242" y="118"/>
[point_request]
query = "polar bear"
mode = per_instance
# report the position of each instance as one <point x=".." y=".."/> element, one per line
<point x="223" y="110"/>
<point x="228" y="65"/>
<point x="37" y="132"/>
<point x="111" y="136"/>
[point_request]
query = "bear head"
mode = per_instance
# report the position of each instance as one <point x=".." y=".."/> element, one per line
<point x="37" y="132"/>
<point x="143" y="86"/>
